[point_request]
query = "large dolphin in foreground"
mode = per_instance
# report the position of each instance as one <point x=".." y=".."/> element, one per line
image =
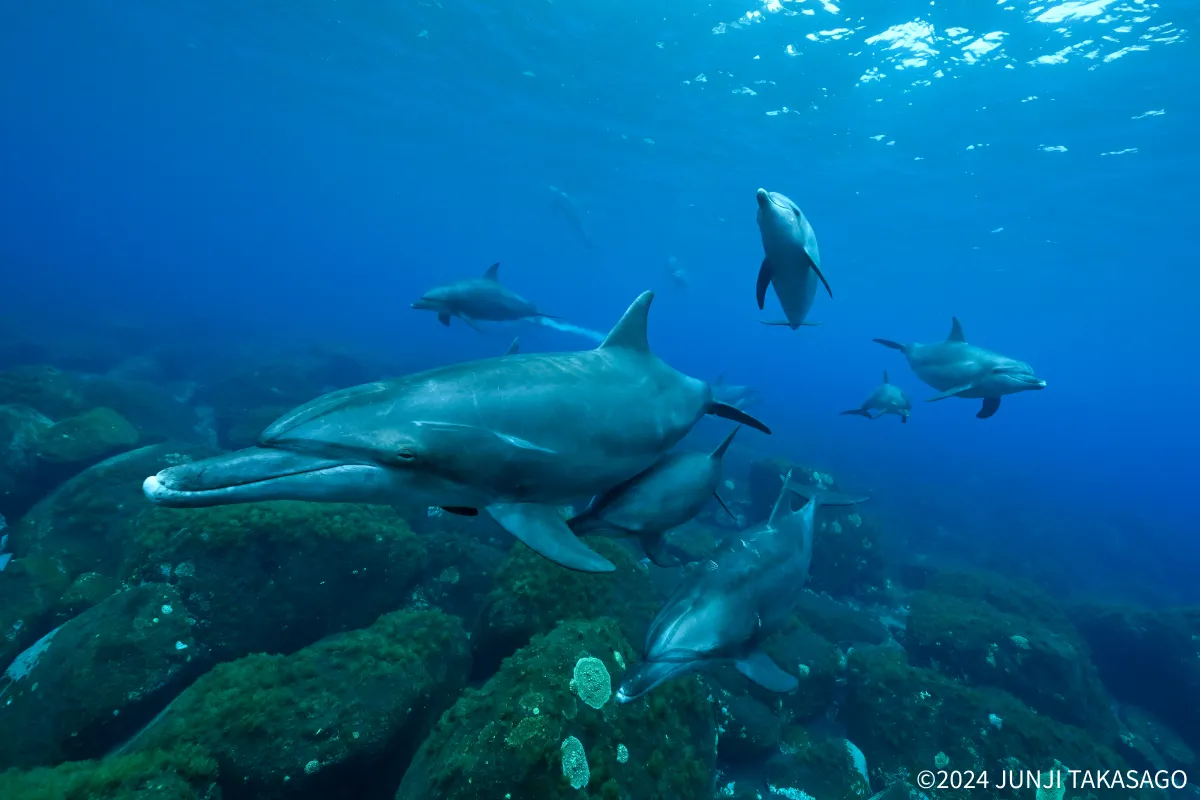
<point x="518" y="435"/>
<point x="726" y="608"/>
<point x="792" y="261"/>
<point x="663" y="497"/>
<point x="888" y="398"/>
<point x="958" y="369"/>
<point x="478" y="300"/>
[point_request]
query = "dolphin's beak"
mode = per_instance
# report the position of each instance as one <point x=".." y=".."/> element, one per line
<point x="648" y="674"/>
<point x="255" y="474"/>
<point x="421" y="304"/>
<point x="764" y="198"/>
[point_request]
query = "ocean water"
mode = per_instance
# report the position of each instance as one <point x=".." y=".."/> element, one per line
<point x="227" y="180"/>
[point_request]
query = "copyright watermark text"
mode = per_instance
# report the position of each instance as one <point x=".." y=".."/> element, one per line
<point x="1052" y="779"/>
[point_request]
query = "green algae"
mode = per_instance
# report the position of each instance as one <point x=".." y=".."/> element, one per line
<point x="86" y="437"/>
<point x="181" y="774"/>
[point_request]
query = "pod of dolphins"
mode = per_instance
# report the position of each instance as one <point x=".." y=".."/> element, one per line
<point x="521" y="435"/>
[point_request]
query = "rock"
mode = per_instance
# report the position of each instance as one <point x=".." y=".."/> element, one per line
<point x="1049" y="669"/>
<point x="1148" y="658"/>
<point x="50" y="391"/>
<point x="533" y="594"/>
<point x="340" y="718"/>
<point x="536" y="730"/>
<point x="277" y="576"/>
<point x="839" y="621"/>
<point x="80" y="441"/>
<point x="814" y="767"/>
<point x="459" y="572"/>
<point x="142" y="776"/>
<point x="98" y="678"/>
<point x="21" y="483"/>
<point x="1158" y="747"/>
<point x="30" y="589"/>
<point x="748" y="729"/>
<point x="903" y="717"/>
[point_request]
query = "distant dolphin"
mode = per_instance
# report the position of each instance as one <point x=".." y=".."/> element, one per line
<point x="888" y="398"/>
<point x="726" y="608"/>
<point x="518" y="435"/>
<point x="563" y="206"/>
<point x="792" y="263"/>
<point x="734" y="394"/>
<point x="663" y="497"/>
<point x="958" y="369"/>
<point x="478" y="300"/>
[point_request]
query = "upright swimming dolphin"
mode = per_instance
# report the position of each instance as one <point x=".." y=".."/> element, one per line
<point x="478" y="299"/>
<point x="726" y="608"/>
<point x="564" y="206"/>
<point x="792" y="263"/>
<point x="518" y="435"/>
<point x="888" y="398"/>
<point x="663" y="497"/>
<point x="958" y="369"/>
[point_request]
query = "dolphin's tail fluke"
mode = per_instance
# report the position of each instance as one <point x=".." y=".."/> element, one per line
<point x="786" y="324"/>
<point x="862" y="412"/>
<point x="726" y="411"/>
<point x="894" y="345"/>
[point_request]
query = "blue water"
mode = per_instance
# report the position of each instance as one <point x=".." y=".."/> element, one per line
<point x="299" y="172"/>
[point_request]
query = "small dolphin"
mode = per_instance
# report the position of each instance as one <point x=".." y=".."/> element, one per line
<point x="734" y="394"/>
<point x="888" y="398"/>
<point x="726" y="608"/>
<point x="563" y="206"/>
<point x="792" y="261"/>
<point x="663" y="497"/>
<point x="676" y="273"/>
<point x="478" y="300"/>
<point x="517" y="435"/>
<point x="958" y="369"/>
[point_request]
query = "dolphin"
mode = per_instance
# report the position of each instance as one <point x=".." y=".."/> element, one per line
<point x="734" y="394"/>
<point x="665" y="496"/>
<point x="958" y="369"/>
<point x="518" y="435"/>
<point x="792" y="261"/>
<point x="888" y="398"/>
<point x="478" y="299"/>
<point x="563" y="206"/>
<point x="726" y="608"/>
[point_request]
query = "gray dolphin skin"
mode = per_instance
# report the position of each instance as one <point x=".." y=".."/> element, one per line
<point x="517" y="435"/>
<point x="478" y="299"/>
<point x="725" y="608"/>
<point x="888" y="398"/>
<point x="663" y="497"/>
<point x="565" y="207"/>
<point x="792" y="261"/>
<point x="958" y="369"/>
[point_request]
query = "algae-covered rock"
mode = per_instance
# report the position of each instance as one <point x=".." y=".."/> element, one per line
<point x="340" y="718"/>
<point x="178" y="775"/>
<point x="460" y="569"/>
<point x="907" y="719"/>
<point x="532" y="594"/>
<point x="98" y="678"/>
<point x="278" y="576"/>
<point x="20" y="480"/>
<point x="818" y="767"/>
<point x="51" y="391"/>
<point x="1049" y="670"/>
<point x="86" y="523"/>
<point x="538" y="730"/>
<point x="82" y="440"/>
<point x="749" y="730"/>
<point x="30" y="588"/>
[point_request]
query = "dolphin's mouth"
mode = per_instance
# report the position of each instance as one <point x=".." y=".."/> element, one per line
<point x="763" y="197"/>
<point x="251" y="475"/>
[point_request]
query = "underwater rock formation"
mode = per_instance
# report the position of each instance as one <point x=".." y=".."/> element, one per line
<point x="21" y="484"/>
<point x="546" y="726"/>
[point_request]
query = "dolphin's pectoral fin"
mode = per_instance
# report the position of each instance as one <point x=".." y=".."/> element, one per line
<point x="949" y="393"/>
<point x="543" y="530"/>
<point x="471" y="322"/>
<point x="859" y="412"/>
<point x="514" y="348"/>
<point x="764" y="279"/>
<point x="462" y="511"/>
<point x="891" y="344"/>
<point x="732" y="516"/>
<point x="821" y="275"/>
<point x="444" y="319"/>
<point x="655" y="545"/>
<point x="990" y="406"/>
<point x="758" y="667"/>
<point x="904" y="419"/>
<point x="726" y="411"/>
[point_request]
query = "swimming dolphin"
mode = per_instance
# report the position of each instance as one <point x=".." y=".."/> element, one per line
<point x="517" y="435"/>
<point x="726" y="608"/>
<point x="478" y="299"/>
<point x="958" y="369"/>
<point x="663" y="497"/>
<point x="792" y="263"/>
<point x="563" y="206"/>
<point x="888" y="398"/>
<point x="733" y="394"/>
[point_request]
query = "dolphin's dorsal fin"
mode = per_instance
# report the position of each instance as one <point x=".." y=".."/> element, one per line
<point x="956" y="334"/>
<point x="885" y="377"/>
<point x="490" y="275"/>
<point x="630" y="331"/>
<point x="719" y="453"/>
